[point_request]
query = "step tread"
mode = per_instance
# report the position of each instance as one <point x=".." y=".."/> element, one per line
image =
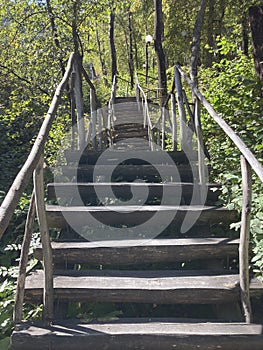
<point x="147" y="334"/>
<point x="80" y="216"/>
<point x="188" y="191"/>
<point x="177" y="156"/>
<point x="160" y="287"/>
<point x="131" y="252"/>
<point x="139" y="208"/>
<point x="153" y="326"/>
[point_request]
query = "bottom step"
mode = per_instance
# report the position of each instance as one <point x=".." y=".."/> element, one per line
<point x="147" y="334"/>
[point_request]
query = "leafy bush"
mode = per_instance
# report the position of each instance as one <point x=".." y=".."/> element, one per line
<point x="234" y="91"/>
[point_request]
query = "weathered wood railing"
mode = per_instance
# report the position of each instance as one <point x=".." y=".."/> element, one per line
<point x="189" y="123"/>
<point x="146" y="114"/>
<point x="111" y="105"/>
<point x="248" y="162"/>
<point x="34" y="165"/>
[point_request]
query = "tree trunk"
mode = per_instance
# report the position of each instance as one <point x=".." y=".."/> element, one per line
<point x="256" y="25"/>
<point x="102" y="62"/>
<point x="112" y="47"/>
<point x="131" y="57"/>
<point x="245" y="35"/>
<point x="210" y="32"/>
<point x="161" y="60"/>
<point x="55" y="34"/>
<point x="196" y="41"/>
<point x="74" y="27"/>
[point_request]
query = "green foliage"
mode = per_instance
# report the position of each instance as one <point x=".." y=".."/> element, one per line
<point x="30" y="64"/>
<point x="94" y="312"/>
<point x="234" y="92"/>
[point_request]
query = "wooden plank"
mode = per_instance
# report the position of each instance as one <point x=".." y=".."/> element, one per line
<point x="128" y="215"/>
<point x="124" y="190"/>
<point x="134" y="252"/>
<point x="91" y="157"/>
<point x="130" y="172"/>
<point x="147" y="334"/>
<point x="159" y="287"/>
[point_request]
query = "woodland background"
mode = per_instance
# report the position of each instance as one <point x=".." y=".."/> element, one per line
<point x="36" y="38"/>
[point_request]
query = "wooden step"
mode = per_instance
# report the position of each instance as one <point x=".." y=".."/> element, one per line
<point x="123" y="190"/>
<point x="131" y="334"/>
<point x="179" y="173"/>
<point x="80" y="216"/>
<point x="120" y="137"/>
<point x="157" y="287"/>
<point x="91" y="157"/>
<point x="129" y="126"/>
<point x="125" y="100"/>
<point x="134" y="252"/>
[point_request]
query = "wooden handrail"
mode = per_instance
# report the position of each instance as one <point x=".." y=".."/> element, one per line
<point x="22" y="179"/>
<point x="252" y="160"/>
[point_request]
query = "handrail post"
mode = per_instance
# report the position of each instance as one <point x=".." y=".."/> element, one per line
<point x="20" y="287"/>
<point x="111" y="105"/>
<point x="244" y="239"/>
<point x="163" y="127"/>
<point x="200" y="143"/>
<point x="93" y="118"/>
<point x="174" y="122"/>
<point x="100" y="126"/>
<point x="73" y="109"/>
<point x="79" y="104"/>
<point x="137" y="93"/>
<point x="182" y="114"/>
<point x="48" y="292"/>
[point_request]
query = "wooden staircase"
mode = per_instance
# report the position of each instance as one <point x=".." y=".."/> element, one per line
<point x="94" y="263"/>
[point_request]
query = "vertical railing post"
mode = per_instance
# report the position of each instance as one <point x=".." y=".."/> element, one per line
<point x="111" y="105"/>
<point x="100" y="126"/>
<point x="79" y="104"/>
<point x="48" y="292"/>
<point x="244" y="239"/>
<point x="163" y="127"/>
<point x="137" y="93"/>
<point x="93" y="117"/>
<point x="159" y="132"/>
<point x="200" y="143"/>
<point x="73" y="110"/>
<point x="174" y="122"/>
<point x="182" y="114"/>
<point x="20" y="288"/>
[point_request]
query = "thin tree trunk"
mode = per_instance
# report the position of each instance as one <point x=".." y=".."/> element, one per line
<point x="135" y="51"/>
<point x="112" y="47"/>
<point x="245" y="35"/>
<point x="210" y="33"/>
<point x="196" y="41"/>
<point x="74" y="27"/>
<point x="131" y="57"/>
<point x="55" y="34"/>
<point x="161" y="60"/>
<point x="102" y="62"/>
<point x="256" y="25"/>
